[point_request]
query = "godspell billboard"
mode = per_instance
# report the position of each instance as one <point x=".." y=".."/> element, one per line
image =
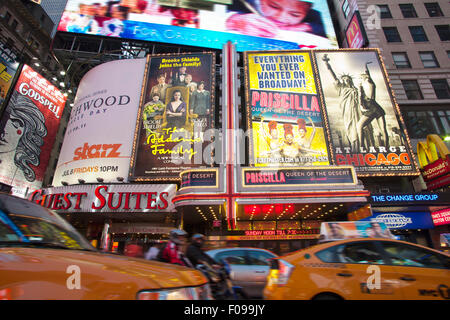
<point x="176" y="117"/>
<point x="28" y="129"/>
<point x="325" y="107"/>
<point x="249" y="24"/>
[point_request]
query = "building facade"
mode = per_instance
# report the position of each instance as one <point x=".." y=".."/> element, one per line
<point x="232" y="202"/>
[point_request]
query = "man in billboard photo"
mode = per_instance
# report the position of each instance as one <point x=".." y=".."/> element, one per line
<point x="160" y="88"/>
<point x="192" y="85"/>
<point x="349" y="105"/>
<point x="22" y="133"/>
<point x="180" y="78"/>
<point x="268" y="18"/>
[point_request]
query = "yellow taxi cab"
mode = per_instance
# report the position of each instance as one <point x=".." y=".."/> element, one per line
<point x="43" y="257"/>
<point x="361" y="269"/>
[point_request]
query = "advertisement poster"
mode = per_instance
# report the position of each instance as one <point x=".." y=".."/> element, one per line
<point x="8" y="69"/>
<point x="249" y="24"/>
<point x="284" y="110"/>
<point x="362" y="115"/>
<point x="353" y="229"/>
<point x="99" y="134"/>
<point x="441" y="217"/>
<point x="403" y="220"/>
<point x="296" y="177"/>
<point x="27" y="131"/>
<point x="176" y="112"/>
<point x="355" y="33"/>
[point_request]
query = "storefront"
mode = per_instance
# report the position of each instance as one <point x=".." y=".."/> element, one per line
<point x="277" y="209"/>
<point x="418" y="217"/>
<point x="113" y="216"/>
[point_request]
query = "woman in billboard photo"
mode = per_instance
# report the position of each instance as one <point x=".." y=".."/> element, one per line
<point x="21" y="137"/>
<point x="272" y="139"/>
<point x="290" y="148"/>
<point x="201" y="106"/>
<point x="176" y="111"/>
<point x="152" y="109"/>
<point x="268" y="18"/>
<point x="370" y="109"/>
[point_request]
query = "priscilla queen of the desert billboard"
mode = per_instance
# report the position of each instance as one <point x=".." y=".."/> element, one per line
<point x="249" y="24"/>
<point x="284" y="110"/>
<point x="325" y="107"/>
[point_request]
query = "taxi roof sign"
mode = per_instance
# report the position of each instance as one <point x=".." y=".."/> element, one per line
<point x="333" y="231"/>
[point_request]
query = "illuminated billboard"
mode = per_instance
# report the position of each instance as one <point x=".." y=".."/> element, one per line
<point x="27" y="131"/>
<point x="355" y="32"/>
<point x="8" y="69"/>
<point x="284" y="110"/>
<point x="99" y="134"/>
<point x="366" y="128"/>
<point x="248" y="24"/>
<point x="175" y="116"/>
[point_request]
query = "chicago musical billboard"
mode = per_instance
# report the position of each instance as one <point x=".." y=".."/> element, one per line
<point x="249" y="24"/>
<point x="366" y="127"/>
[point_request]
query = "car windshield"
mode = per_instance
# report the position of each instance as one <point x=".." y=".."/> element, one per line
<point x="24" y="223"/>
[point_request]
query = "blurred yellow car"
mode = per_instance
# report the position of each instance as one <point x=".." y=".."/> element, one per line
<point x="43" y="257"/>
<point x="361" y="269"/>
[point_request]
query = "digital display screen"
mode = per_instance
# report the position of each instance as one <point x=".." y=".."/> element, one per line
<point x="249" y="24"/>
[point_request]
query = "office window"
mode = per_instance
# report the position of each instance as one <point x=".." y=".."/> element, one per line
<point x="434" y="10"/>
<point x="7" y="17"/>
<point x="408" y="10"/>
<point x="441" y="88"/>
<point x="391" y="34"/>
<point x="401" y="60"/>
<point x="412" y="90"/>
<point x="448" y="54"/>
<point x="418" y="33"/>
<point x="443" y="32"/>
<point x="14" y="25"/>
<point x="429" y="59"/>
<point x="421" y="123"/>
<point x="345" y="8"/>
<point x="385" y="13"/>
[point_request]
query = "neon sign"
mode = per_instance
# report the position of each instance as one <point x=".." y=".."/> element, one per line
<point x="420" y="197"/>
